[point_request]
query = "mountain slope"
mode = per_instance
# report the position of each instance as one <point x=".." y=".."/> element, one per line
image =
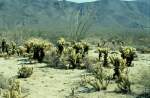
<point x="56" y="15"/>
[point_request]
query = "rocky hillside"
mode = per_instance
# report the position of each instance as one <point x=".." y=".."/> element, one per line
<point x="53" y="14"/>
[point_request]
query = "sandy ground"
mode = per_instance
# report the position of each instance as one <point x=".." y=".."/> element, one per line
<point x="57" y="83"/>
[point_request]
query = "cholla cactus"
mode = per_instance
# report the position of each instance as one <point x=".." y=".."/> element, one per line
<point x="13" y="48"/>
<point x="14" y="91"/>
<point x="37" y="47"/>
<point x="105" y="52"/>
<point x="85" y="48"/>
<point x="99" y="81"/>
<point x="124" y="84"/>
<point x="75" y="59"/>
<point x="119" y="65"/>
<point x="25" y="72"/>
<point x="78" y="47"/>
<point x="61" y="45"/>
<point x="81" y="47"/>
<point x="128" y="53"/>
<point x="3" y="45"/>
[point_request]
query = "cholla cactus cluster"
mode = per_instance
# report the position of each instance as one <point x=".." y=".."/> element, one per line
<point x="121" y="71"/>
<point x="37" y="47"/>
<point x="119" y="65"/>
<point x="128" y="53"/>
<point x="102" y="51"/>
<point x="72" y="53"/>
<point x="14" y="90"/>
<point x="8" y="48"/>
<point x="123" y="83"/>
<point x="120" y="62"/>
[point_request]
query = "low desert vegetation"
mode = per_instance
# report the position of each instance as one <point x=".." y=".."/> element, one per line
<point x="25" y="72"/>
<point x="108" y="66"/>
<point x="11" y="89"/>
<point x="98" y="79"/>
<point x="14" y="90"/>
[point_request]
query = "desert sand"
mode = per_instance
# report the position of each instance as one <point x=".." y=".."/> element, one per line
<point x="46" y="82"/>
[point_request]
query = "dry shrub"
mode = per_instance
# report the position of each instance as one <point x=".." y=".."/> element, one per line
<point x="25" y="72"/>
<point x="99" y="79"/>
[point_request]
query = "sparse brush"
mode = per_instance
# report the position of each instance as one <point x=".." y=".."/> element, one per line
<point x="99" y="80"/>
<point x="124" y="84"/>
<point x="14" y="90"/>
<point x="25" y="72"/>
<point x="128" y="53"/>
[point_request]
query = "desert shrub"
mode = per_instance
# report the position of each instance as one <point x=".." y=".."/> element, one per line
<point x="25" y="72"/>
<point x="99" y="79"/>
<point x="128" y="53"/>
<point x="52" y="58"/>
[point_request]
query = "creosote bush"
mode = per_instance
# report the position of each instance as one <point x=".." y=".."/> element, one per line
<point x="25" y="72"/>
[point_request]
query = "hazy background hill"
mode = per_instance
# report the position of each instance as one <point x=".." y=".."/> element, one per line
<point x="58" y="16"/>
